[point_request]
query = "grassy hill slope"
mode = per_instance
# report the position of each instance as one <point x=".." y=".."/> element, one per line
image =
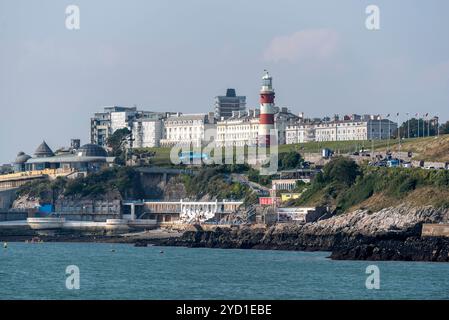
<point x="345" y="186"/>
<point x="429" y="148"/>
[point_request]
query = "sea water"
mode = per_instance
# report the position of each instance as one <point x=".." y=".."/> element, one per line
<point x="121" y="271"/>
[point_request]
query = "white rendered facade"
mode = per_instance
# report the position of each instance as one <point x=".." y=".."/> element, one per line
<point x="299" y="133"/>
<point x="105" y="123"/>
<point x="283" y="118"/>
<point x="237" y="131"/>
<point x="119" y="120"/>
<point x="355" y="130"/>
<point x="147" y="133"/>
<point x="344" y="130"/>
<point x="243" y="128"/>
<point x="186" y="129"/>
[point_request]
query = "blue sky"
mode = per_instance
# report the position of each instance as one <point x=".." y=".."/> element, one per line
<point x="176" y="55"/>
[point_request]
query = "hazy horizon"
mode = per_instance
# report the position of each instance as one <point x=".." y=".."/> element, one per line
<point x="178" y="55"/>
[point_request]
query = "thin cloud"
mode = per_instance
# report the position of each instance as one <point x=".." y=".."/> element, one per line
<point x="311" y="44"/>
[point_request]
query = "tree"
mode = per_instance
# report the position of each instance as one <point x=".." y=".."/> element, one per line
<point x="341" y="170"/>
<point x="117" y="142"/>
<point x="4" y="169"/>
<point x="444" y="128"/>
<point x="424" y="129"/>
<point x="290" y="160"/>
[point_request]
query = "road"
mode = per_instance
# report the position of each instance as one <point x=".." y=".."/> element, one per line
<point x="243" y="179"/>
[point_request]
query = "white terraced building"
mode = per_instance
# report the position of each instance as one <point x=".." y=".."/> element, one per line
<point x="282" y="119"/>
<point x="349" y="129"/>
<point x="187" y="129"/>
<point x="299" y="133"/>
<point x="239" y="130"/>
<point x="242" y="129"/>
<point x="346" y="130"/>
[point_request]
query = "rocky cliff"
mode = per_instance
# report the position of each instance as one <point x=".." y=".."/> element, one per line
<point x="394" y="220"/>
<point x="390" y="234"/>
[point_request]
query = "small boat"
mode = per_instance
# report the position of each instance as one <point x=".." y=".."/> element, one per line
<point x="5" y="245"/>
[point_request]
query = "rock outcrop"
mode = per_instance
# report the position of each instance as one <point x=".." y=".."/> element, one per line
<point x="24" y="202"/>
<point x="410" y="249"/>
<point x="390" y="234"/>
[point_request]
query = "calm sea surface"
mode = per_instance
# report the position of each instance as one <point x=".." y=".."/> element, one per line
<point x="119" y="271"/>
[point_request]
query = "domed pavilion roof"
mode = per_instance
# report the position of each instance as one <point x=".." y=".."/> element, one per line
<point x="21" y="158"/>
<point x="92" y="150"/>
<point x="43" y="151"/>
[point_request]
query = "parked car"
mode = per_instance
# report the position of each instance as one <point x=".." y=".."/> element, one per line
<point x="327" y="153"/>
<point x="365" y="154"/>
<point x="382" y="163"/>
<point x="393" y="163"/>
<point x="407" y="165"/>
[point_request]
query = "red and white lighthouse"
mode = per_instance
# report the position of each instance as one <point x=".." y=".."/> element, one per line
<point x="266" y="121"/>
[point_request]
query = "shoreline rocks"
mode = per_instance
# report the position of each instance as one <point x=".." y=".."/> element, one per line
<point x="431" y="249"/>
<point x="390" y="234"/>
<point x="342" y="247"/>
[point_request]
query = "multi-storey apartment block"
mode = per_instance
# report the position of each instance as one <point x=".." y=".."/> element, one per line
<point x="146" y="126"/>
<point x="147" y="133"/>
<point x="226" y="105"/>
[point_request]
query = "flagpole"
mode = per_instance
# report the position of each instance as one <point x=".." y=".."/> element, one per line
<point x="389" y="132"/>
<point x="418" y="123"/>
<point x="423" y="128"/>
<point x="438" y="125"/>
<point x="408" y="125"/>
<point x="372" y="136"/>
<point x="399" y="131"/>
<point x="424" y="125"/>
<point x="380" y="127"/>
